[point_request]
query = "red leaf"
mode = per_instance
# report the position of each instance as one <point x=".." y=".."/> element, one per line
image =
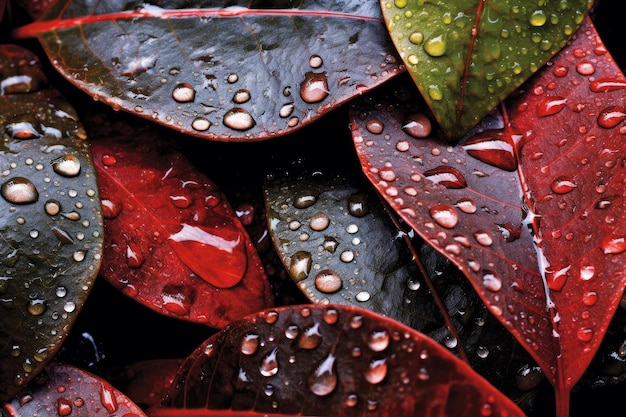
<point x="328" y="361"/>
<point x="71" y="391"/>
<point x="536" y="229"/>
<point x="173" y="241"/>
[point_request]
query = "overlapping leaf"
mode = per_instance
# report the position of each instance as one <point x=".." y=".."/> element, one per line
<point x="220" y="70"/>
<point x="172" y="240"/>
<point x="64" y="390"/>
<point x="529" y="211"/>
<point x="50" y="222"/>
<point x="466" y="56"/>
<point x="329" y="361"/>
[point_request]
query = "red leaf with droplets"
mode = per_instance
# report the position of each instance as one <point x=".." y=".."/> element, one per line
<point x="70" y="391"/>
<point x="328" y="361"/>
<point x="278" y="65"/>
<point x="172" y="240"/>
<point x="537" y="229"/>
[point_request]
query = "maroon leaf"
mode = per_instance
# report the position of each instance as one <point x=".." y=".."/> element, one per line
<point x="277" y="66"/>
<point x="147" y="382"/>
<point x="172" y="240"/>
<point x="64" y="390"/>
<point x="329" y="361"/>
<point x="50" y="221"/>
<point x="529" y="210"/>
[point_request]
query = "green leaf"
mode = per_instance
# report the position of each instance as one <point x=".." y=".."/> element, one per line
<point x="50" y="223"/>
<point x="468" y="55"/>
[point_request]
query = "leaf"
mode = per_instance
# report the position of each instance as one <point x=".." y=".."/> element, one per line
<point x="173" y="241"/>
<point x="330" y="361"/>
<point x="467" y="56"/>
<point x="50" y="220"/>
<point x="277" y="66"/>
<point x="71" y="391"/>
<point x="527" y="209"/>
<point x="147" y="382"/>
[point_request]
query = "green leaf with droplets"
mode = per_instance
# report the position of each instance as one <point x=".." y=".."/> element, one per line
<point x="466" y="56"/>
<point x="50" y="223"/>
<point x="228" y="71"/>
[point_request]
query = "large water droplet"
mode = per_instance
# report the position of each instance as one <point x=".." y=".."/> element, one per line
<point x="490" y="148"/>
<point x="613" y="245"/>
<point x="110" y="210"/>
<point x="304" y="199"/>
<point x="483" y="237"/>
<point x="200" y="124"/>
<point x="314" y="88"/>
<point x="417" y="125"/>
<point x="300" y="265"/>
<point x="19" y="190"/>
<point x="378" y="340"/>
<point x="376" y="371"/>
<point x="550" y="106"/>
<point x="108" y="397"/>
<point x="607" y="84"/>
<point x="466" y="205"/>
<point x="311" y="337"/>
<point x="538" y="18"/>
<point x="324" y="380"/>
<point x="241" y="96"/>
<point x="611" y="117"/>
<point x="328" y="281"/>
<point x="319" y="222"/>
<point x="448" y="176"/>
<point x="269" y="364"/>
<point x="239" y="119"/>
<point x="444" y="215"/>
<point x="249" y="344"/>
<point x="435" y="46"/>
<point x="183" y="93"/>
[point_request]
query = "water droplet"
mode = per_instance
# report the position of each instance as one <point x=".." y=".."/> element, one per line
<point x="483" y="237"/>
<point x="324" y="380"/>
<point x="249" y="344"/>
<point x="444" y="215"/>
<point x="314" y="88"/>
<point x="330" y="244"/>
<point x="585" y="68"/>
<point x="417" y="125"/>
<point x="613" y="245"/>
<point x="416" y="38"/>
<point x="607" y="84"/>
<point x="300" y="265"/>
<point x="490" y="148"/>
<point x="611" y="117"/>
<point x="183" y="93"/>
<point x="319" y="222"/>
<point x="551" y="105"/>
<point x="63" y="236"/>
<point x="466" y="205"/>
<point x="590" y="298"/>
<point x="351" y="400"/>
<point x="414" y="284"/>
<point x="378" y="340"/>
<point x="107" y="397"/>
<point x="562" y="185"/>
<point x="447" y="176"/>
<point x="492" y="282"/>
<point x="363" y="296"/>
<point x="331" y="316"/>
<point x="304" y="199"/>
<point x="52" y="207"/>
<point x="241" y="96"/>
<point x="376" y="371"/>
<point x="19" y="190"/>
<point x="346" y="256"/>
<point x="232" y="78"/>
<point x="238" y="119"/>
<point x="22" y="130"/>
<point x="435" y="46"/>
<point x="311" y="337"/>
<point x="538" y="18"/>
<point x="110" y="210"/>
<point x="286" y="110"/>
<point x="108" y="160"/>
<point x="200" y="124"/>
<point x="357" y="205"/>
<point x="36" y="307"/>
<point x="328" y="281"/>
<point x="134" y="257"/>
<point x="292" y="331"/>
<point x="316" y="61"/>
<point x="177" y="299"/>
<point x="584" y="334"/>
<point x="64" y="407"/>
<point x="587" y="272"/>
<point x="375" y="126"/>
<point x="69" y="307"/>
<point x="67" y="166"/>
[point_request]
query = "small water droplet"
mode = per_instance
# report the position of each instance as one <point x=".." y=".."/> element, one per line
<point x="466" y="205"/>
<point x="351" y="400"/>
<point x="269" y="364"/>
<point x="328" y="281"/>
<point x="585" y="68"/>
<point x="435" y="46"/>
<point x="108" y="160"/>
<point x="134" y="257"/>
<point x="611" y="117"/>
<point x="363" y="296"/>
<point x="314" y="88"/>
<point x="587" y="272"/>
<point x="324" y="380"/>
<point x="378" y="340"/>
<point x="300" y="265"/>
<point x="444" y="215"/>
<point x="346" y="256"/>
<point x="607" y="84"/>
<point x="292" y="331"/>
<point x="19" y="190"/>
<point x="232" y="78"/>
<point x="239" y="119"/>
<point x="584" y="334"/>
<point x="417" y="125"/>
<point x="200" y="124"/>
<point x="110" y="210"/>
<point x="562" y="185"/>
<point x="538" y="18"/>
<point x="249" y="344"/>
<point x="490" y="148"/>
<point x="52" y="207"/>
<point x="36" y="307"/>
<point x="108" y="398"/>
<point x="613" y="245"/>
<point x="304" y="199"/>
<point x="375" y="126"/>
<point x="376" y="371"/>
<point x="311" y="337"/>
<point x="551" y="105"/>
<point x="64" y="407"/>
<point x="447" y="176"/>
<point x="357" y="205"/>
<point x="492" y="282"/>
<point x="241" y="96"/>
<point x="183" y="93"/>
<point x="319" y="222"/>
<point x="590" y="298"/>
<point x="330" y="244"/>
<point x="316" y="61"/>
<point x="483" y="237"/>
<point x="286" y="110"/>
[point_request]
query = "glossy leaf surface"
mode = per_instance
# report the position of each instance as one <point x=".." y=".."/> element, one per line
<point x="173" y="241"/>
<point x="330" y="361"/>
<point x="277" y="65"/>
<point x="527" y="210"/>
<point x="468" y="55"/>
<point x="64" y="390"/>
<point x="50" y="221"/>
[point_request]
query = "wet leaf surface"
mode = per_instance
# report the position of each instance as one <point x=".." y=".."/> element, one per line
<point x="330" y="361"/>
<point x="63" y="390"/>
<point x="155" y="62"/>
<point x="173" y="241"/>
<point x="50" y="221"/>
<point x="526" y="209"/>
<point x="467" y="56"/>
